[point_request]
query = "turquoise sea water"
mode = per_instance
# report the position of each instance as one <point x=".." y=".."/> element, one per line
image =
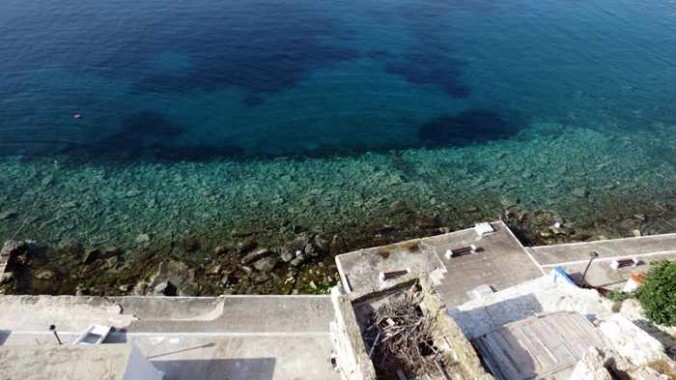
<point x="167" y="117"/>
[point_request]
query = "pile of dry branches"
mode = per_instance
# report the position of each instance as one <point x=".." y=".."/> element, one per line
<point x="399" y="337"/>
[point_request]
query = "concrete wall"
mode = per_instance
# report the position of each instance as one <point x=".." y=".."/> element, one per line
<point x="350" y="352"/>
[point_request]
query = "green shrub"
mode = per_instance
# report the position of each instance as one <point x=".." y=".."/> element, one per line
<point x="618" y="295"/>
<point x="658" y="294"/>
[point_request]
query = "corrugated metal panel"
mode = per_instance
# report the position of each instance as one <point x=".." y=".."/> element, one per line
<point x="542" y="346"/>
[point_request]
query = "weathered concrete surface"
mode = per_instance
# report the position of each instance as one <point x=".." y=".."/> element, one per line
<point x="233" y="337"/>
<point x="574" y="257"/>
<point x="607" y="249"/>
<point x="500" y="263"/>
<point x="64" y="362"/>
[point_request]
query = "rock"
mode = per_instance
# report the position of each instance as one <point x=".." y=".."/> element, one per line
<point x="9" y="214"/>
<point x="429" y="221"/>
<point x="165" y="288"/>
<point x="220" y="250"/>
<point x="112" y="262"/>
<point x="260" y="278"/>
<point x="580" y="192"/>
<point x="71" y="204"/>
<point x="12" y="248"/>
<point x="591" y="367"/>
<point x="557" y="231"/>
<point x="266" y="264"/>
<point x="44" y="274"/>
<point x="299" y="243"/>
<point x="6" y="277"/>
<point x="640" y="217"/>
<point x="246" y="245"/>
<point x="143" y="239"/>
<point x="322" y="245"/>
<point x="256" y="255"/>
<point x="310" y="250"/>
<point x="600" y="364"/>
<point x="247" y="270"/>
<point x="90" y="256"/>
<point x="132" y="193"/>
<point x="636" y="233"/>
<point x="124" y="288"/>
<point x="508" y="203"/>
<point x="298" y="260"/>
<point x="287" y="255"/>
<point x="313" y="285"/>
<point x="47" y="181"/>
<point x="191" y="244"/>
<point x="214" y="270"/>
<point x="71" y="248"/>
<point x="178" y="274"/>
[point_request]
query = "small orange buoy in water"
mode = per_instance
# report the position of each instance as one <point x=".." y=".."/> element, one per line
<point x="77" y="116"/>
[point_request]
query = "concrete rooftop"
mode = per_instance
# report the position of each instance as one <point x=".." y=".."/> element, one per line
<point x="501" y="261"/>
<point x="232" y="337"/>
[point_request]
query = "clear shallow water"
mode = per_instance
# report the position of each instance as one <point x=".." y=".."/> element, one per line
<point x="187" y="108"/>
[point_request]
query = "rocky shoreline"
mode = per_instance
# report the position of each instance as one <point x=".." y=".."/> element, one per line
<point x="262" y="262"/>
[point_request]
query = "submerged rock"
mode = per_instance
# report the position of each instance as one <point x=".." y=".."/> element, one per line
<point x="143" y="239"/>
<point x="9" y="214"/>
<point x="580" y="192"/>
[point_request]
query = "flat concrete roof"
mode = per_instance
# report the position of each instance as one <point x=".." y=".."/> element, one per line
<point x="64" y="362"/>
<point x="500" y="263"/>
<point x="233" y="337"/>
<point x="574" y="257"/>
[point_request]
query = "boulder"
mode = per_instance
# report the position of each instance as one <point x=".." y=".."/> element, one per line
<point x="9" y="214"/>
<point x="165" y="288"/>
<point x="260" y="278"/>
<point x="256" y="255"/>
<point x="300" y="259"/>
<point x="177" y="274"/>
<point x="600" y="364"/>
<point x="12" y="248"/>
<point x="266" y="264"/>
<point x="306" y="245"/>
<point x="286" y="255"/>
<point x="6" y="277"/>
<point x="591" y="367"/>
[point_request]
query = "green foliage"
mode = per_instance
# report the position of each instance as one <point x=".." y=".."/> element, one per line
<point x="618" y="296"/>
<point x="658" y="294"/>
